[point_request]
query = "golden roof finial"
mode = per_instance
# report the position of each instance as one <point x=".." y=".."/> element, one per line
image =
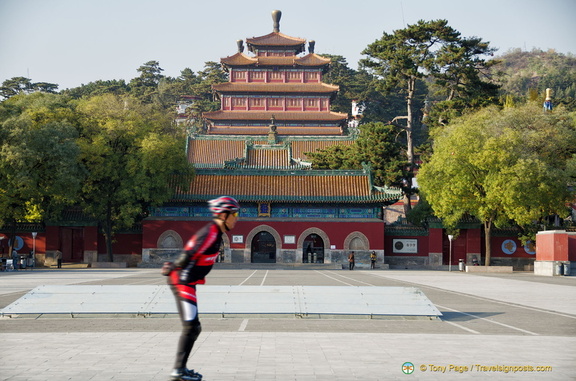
<point x="276" y="15"/>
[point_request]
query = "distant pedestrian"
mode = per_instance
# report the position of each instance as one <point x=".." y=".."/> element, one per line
<point x="15" y="261"/>
<point x="373" y="260"/>
<point x="58" y="257"/>
<point x="31" y="260"/>
<point x="351" y="261"/>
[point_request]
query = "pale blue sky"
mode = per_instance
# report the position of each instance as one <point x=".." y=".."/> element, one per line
<point x="71" y="42"/>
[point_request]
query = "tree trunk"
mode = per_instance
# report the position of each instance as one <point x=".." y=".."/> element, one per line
<point x="487" y="239"/>
<point x="108" y="239"/>
<point x="11" y="237"/>
<point x="108" y="235"/>
<point x="409" y="145"/>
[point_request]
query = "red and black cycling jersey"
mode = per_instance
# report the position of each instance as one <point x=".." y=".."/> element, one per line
<point x="201" y="251"/>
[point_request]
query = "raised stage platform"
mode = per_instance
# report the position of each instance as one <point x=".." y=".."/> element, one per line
<point x="227" y="301"/>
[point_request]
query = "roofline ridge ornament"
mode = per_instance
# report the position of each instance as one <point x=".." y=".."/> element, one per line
<point x="276" y="16"/>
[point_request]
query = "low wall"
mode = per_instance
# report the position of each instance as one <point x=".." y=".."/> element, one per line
<point x="108" y="265"/>
<point x="518" y="264"/>
<point x="156" y="257"/>
<point x="365" y="266"/>
<point x="432" y="261"/>
<point x="131" y="260"/>
<point x="489" y="269"/>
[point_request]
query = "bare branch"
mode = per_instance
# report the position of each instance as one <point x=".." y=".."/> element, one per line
<point x="393" y="122"/>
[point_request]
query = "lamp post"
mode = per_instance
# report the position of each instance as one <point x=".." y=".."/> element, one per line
<point x="2" y="266"/>
<point x="450" y="237"/>
<point x="34" y="234"/>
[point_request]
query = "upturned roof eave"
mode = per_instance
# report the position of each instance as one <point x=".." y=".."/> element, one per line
<point x="274" y="88"/>
<point x="291" y="199"/>
<point x="276" y="39"/>
<point x="384" y="196"/>
<point x="279" y="116"/>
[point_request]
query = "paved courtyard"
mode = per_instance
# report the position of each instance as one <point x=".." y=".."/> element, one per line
<point x="512" y="327"/>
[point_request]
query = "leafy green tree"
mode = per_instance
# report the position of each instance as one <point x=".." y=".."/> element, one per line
<point x="376" y="145"/>
<point x="199" y="86"/>
<point x="45" y="87"/>
<point x="100" y="87"/>
<point x="18" y="85"/>
<point x="134" y="156"/>
<point x="462" y="81"/>
<point x="337" y="156"/>
<point x="15" y="86"/>
<point x="461" y="71"/>
<point x="501" y="166"/>
<point x="409" y="55"/>
<point x="351" y="83"/>
<point x="145" y="86"/>
<point x="171" y="90"/>
<point x="212" y="74"/>
<point x="38" y="158"/>
<point x="360" y="86"/>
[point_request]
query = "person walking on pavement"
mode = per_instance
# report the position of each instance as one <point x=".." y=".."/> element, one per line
<point x="351" y="261"/>
<point x="58" y="257"/>
<point x="15" y="260"/>
<point x="190" y="269"/>
<point x="373" y="260"/>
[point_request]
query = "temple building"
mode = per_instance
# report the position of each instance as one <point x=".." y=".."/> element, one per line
<point x="274" y="109"/>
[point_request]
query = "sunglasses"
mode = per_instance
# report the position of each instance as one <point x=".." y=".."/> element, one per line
<point x="235" y="214"/>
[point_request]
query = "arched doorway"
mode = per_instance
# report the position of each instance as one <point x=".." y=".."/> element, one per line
<point x="313" y="249"/>
<point x="357" y="243"/>
<point x="263" y="248"/>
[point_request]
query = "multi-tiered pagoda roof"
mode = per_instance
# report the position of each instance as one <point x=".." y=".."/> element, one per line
<point x="275" y="81"/>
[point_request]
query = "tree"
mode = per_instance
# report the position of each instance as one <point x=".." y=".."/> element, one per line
<point x="45" y="87"/>
<point x="460" y="71"/>
<point x="15" y="86"/>
<point x="145" y="86"/>
<point x="133" y="155"/>
<point x="336" y="156"/>
<point x="171" y="90"/>
<point x="376" y="145"/>
<point x="403" y="58"/>
<point x="38" y="158"/>
<point x="100" y="87"/>
<point x="18" y="85"/>
<point x="199" y="86"/>
<point x="351" y="83"/>
<point x="502" y="166"/>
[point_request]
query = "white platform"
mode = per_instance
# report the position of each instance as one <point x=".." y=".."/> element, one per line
<point x="228" y="301"/>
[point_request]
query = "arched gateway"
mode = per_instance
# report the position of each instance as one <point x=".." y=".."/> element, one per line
<point x="263" y="248"/>
<point x="313" y="249"/>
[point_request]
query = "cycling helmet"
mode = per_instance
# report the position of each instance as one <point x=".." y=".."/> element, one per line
<point x="223" y="204"/>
